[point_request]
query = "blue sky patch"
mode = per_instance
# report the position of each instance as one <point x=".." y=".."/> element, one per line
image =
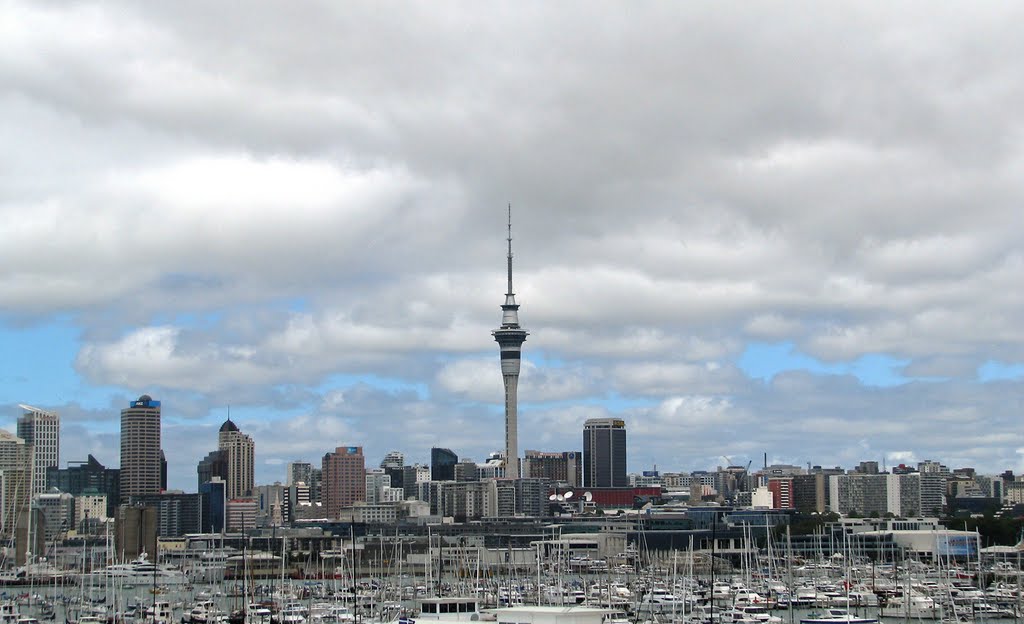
<point x="1000" y="371"/>
<point x="37" y="364"/>
<point x="765" y="360"/>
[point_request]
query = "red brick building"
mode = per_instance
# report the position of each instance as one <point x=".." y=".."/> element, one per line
<point x="782" y="492"/>
<point x="344" y="479"/>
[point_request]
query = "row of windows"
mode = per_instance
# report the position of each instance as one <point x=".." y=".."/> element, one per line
<point x="448" y="607"/>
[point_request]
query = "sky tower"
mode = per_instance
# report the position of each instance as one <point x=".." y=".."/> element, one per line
<point x="510" y="338"/>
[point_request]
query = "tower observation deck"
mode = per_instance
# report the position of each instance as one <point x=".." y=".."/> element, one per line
<point x="510" y="338"/>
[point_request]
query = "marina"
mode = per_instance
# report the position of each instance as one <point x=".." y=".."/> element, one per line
<point x="678" y="586"/>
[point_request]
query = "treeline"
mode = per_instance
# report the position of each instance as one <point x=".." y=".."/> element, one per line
<point x="994" y="530"/>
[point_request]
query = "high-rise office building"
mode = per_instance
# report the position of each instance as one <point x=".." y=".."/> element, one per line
<point x="298" y="472"/>
<point x="141" y="458"/>
<point x="809" y="492"/>
<point x="442" y="464"/>
<point x="177" y="513"/>
<point x="532" y="497"/>
<point x="604" y="453"/>
<point x="90" y="513"/>
<point x="213" y="505"/>
<point x="240" y="454"/>
<point x="344" y="479"/>
<point x="88" y="478"/>
<point x="380" y="488"/>
<point x="561" y="467"/>
<point x="163" y="471"/>
<point x="40" y="430"/>
<point x="15" y="480"/>
<point x="781" y="489"/>
<point x="412" y="476"/>
<point x="241" y="514"/>
<point x="510" y="338"/>
<point x="213" y="466"/>
<point x="910" y="494"/>
<point x="316" y="479"/>
<point x="303" y="472"/>
<point x="56" y="510"/>
<point x="932" y="495"/>
<point x="864" y="493"/>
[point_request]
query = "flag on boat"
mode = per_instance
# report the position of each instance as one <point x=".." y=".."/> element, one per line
<point x="406" y="620"/>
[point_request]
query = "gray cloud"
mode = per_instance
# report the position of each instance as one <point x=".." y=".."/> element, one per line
<point x="245" y="201"/>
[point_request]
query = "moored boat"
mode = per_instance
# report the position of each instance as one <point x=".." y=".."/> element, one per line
<point x="139" y="572"/>
<point x="837" y="616"/>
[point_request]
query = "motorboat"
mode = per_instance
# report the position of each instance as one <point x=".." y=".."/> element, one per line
<point x="837" y="616"/>
<point x="38" y="573"/>
<point x="140" y="571"/>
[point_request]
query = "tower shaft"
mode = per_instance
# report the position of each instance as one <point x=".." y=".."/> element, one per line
<point x="511" y="425"/>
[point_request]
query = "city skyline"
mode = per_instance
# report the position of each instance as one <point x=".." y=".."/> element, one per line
<point x="732" y="245"/>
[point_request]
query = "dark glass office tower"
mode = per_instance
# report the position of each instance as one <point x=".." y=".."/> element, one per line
<point x="442" y="464"/>
<point x="604" y="453"/>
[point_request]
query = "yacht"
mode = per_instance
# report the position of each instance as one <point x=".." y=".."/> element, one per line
<point x="555" y="615"/>
<point x="208" y="566"/>
<point x="159" y="612"/>
<point x="452" y="609"/>
<point x="331" y="612"/>
<point x="204" y="612"/>
<point x="39" y="573"/>
<point x="292" y="613"/>
<point x="9" y="613"/>
<point x="139" y="572"/>
<point x="837" y="616"/>
<point x="660" y="601"/>
<point x="460" y="610"/>
<point x="753" y="613"/>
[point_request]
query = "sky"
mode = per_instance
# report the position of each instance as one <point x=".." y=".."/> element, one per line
<point x="744" y="228"/>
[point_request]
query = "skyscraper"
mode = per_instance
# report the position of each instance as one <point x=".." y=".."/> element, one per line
<point x="344" y="479"/>
<point x="140" y="448"/>
<point x="510" y="338"/>
<point x="213" y="505"/>
<point x="304" y="473"/>
<point x="15" y="478"/>
<point x="442" y="464"/>
<point x="240" y="455"/>
<point x="561" y="467"/>
<point x="604" y="453"/>
<point x="88" y="477"/>
<point x="298" y="472"/>
<point x="213" y="466"/>
<point x="40" y="430"/>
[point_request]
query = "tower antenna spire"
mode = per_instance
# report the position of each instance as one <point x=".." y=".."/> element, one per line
<point x="510" y="249"/>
